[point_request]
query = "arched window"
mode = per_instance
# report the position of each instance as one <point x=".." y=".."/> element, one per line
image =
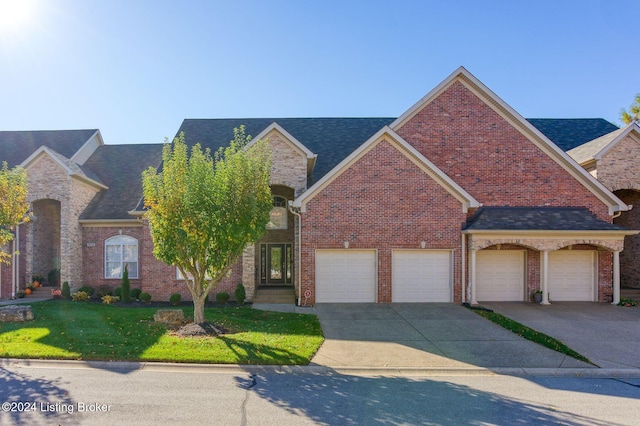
<point x="278" y="216"/>
<point x="119" y="251"/>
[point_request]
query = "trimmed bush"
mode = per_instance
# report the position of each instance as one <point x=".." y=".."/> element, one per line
<point x="117" y="291"/>
<point x="104" y="290"/>
<point x="135" y="293"/>
<point x="175" y="299"/>
<point x="66" y="291"/>
<point x="126" y="286"/>
<point x="145" y="297"/>
<point x="80" y="296"/>
<point x="107" y="300"/>
<point x="222" y="297"/>
<point x="87" y="289"/>
<point x="241" y="294"/>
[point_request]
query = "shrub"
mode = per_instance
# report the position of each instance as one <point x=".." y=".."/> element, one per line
<point x="80" y="296"/>
<point x="175" y="299"/>
<point x="135" y="293"/>
<point x="126" y="286"/>
<point x="222" y="297"/>
<point x="145" y="297"/>
<point x="109" y="299"/>
<point x="105" y="290"/>
<point x="20" y="294"/>
<point x="87" y="289"/>
<point x="66" y="291"/>
<point x="117" y="291"/>
<point x="241" y="294"/>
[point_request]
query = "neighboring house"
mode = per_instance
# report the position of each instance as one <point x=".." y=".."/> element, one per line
<point x="458" y="199"/>
<point x="613" y="160"/>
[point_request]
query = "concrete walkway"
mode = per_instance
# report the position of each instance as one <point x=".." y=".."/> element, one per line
<point x="425" y="335"/>
<point x="608" y="335"/>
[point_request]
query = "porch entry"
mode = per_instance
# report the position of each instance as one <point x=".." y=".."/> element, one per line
<point x="276" y="264"/>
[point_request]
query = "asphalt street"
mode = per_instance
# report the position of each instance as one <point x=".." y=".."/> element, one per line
<point x="81" y="394"/>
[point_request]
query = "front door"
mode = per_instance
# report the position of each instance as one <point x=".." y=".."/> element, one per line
<point x="276" y="261"/>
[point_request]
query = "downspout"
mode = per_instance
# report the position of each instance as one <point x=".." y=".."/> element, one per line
<point x="15" y="264"/>
<point x="299" y="244"/>
<point x="463" y="265"/>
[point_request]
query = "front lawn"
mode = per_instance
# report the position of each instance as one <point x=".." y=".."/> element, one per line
<point x="90" y="331"/>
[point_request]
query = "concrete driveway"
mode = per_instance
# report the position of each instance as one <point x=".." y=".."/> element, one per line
<point x="427" y="335"/>
<point x="608" y="335"/>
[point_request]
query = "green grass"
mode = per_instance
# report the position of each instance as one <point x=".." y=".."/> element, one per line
<point x="531" y="334"/>
<point x="90" y="331"/>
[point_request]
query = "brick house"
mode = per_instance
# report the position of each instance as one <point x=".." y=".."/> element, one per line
<point x="458" y="199"/>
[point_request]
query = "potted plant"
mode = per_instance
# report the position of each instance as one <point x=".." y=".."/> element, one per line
<point x="37" y="279"/>
<point x="56" y="293"/>
<point x="537" y="296"/>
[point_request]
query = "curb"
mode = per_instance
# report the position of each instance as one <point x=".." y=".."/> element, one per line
<point x="126" y="367"/>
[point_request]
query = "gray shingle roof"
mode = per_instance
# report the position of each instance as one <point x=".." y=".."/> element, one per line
<point x="16" y="146"/>
<point x="568" y="133"/>
<point x="120" y="168"/>
<point x="537" y="218"/>
<point x="333" y="139"/>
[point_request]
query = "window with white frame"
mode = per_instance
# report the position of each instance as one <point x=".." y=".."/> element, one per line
<point x="278" y="216"/>
<point x="120" y="251"/>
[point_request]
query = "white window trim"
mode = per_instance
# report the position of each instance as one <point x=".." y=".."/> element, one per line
<point x="122" y="240"/>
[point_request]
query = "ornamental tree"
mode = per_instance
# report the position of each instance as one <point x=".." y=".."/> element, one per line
<point x="633" y="114"/>
<point x="14" y="207"/>
<point x="204" y="209"/>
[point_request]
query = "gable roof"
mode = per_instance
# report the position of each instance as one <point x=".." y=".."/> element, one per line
<point x="537" y="219"/>
<point x="404" y="148"/>
<point x="17" y="146"/>
<point x="461" y="75"/>
<point x="71" y="168"/>
<point x="568" y="133"/>
<point x="596" y="148"/>
<point x="120" y="167"/>
<point x="311" y="157"/>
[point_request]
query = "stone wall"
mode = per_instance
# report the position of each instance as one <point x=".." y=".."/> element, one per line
<point x="48" y="180"/>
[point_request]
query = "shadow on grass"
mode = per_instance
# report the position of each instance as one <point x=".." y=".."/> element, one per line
<point x="332" y="399"/>
<point x="96" y="334"/>
<point x="52" y="402"/>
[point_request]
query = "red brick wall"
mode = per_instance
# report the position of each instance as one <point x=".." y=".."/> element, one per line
<point x="383" y="201"/>
<point x="93" y="239"/>
<point x="159" y="279"/>
<point x="155" y="277"/>
<point x="489" y="158"/>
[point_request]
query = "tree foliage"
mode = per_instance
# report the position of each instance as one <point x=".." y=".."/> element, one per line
<point x="13" y="204"/>
<point x="634" y="111"/>
<point x="204" y="209"/>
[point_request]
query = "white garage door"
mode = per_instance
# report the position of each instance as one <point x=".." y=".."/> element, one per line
<point x="500" y="275"/>
<point x="344" y="276"/>
<point x="571" y="275"/>
<point x="421" y="276"/>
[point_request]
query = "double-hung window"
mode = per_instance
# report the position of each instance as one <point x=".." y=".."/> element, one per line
<point x="120" y="251"/>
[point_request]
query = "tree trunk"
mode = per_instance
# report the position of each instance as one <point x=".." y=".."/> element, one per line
<point x="198" y="310"/>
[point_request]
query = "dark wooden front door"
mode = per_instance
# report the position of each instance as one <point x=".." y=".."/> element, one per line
<point x="276" y="262"/>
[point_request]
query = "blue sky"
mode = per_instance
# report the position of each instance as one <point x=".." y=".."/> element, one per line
<point x="136" y="68"/>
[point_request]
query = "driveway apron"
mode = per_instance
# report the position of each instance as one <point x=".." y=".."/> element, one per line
<point x="428" y="335"/>
<point x="608" y="335"/>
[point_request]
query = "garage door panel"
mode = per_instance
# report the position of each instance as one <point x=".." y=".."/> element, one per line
<point x="345" y="276"/>
<point x="421" y="276"/>
<point x="571" y="275"/>
<point x="500" y="275"/>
